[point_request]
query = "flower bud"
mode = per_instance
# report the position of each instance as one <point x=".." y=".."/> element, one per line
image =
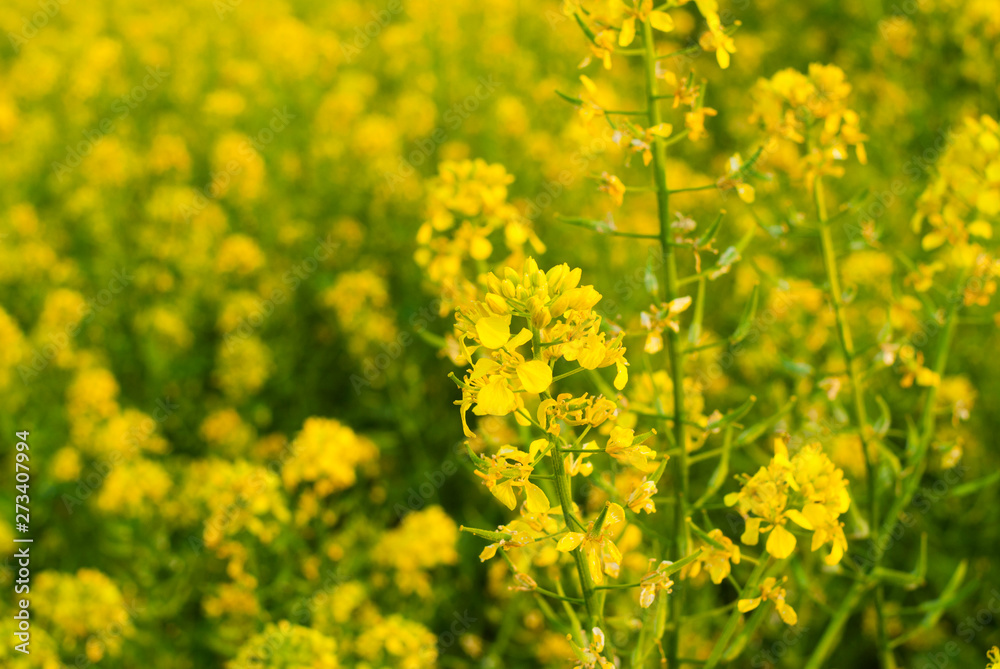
<point x="497" y="304"/>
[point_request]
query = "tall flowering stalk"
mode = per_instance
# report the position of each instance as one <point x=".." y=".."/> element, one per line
<point x="582" y="483"/>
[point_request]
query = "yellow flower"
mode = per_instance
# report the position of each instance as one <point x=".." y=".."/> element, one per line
<point x="808" y="480"/>
<point x="718" y="561"/>
<point x="641" y="499"/>
<point x="613" y="186"/>
<point x="601" y="553"/>
<point x="770" y="591"/>
<point x="509" y="469"/>
<point x="621" y="448"/>
<point x="590" y="657"/>
<point x="657" y="19"/>
<point x="653" y="582"/>
<point x="695" y="122"/>
<point x="558" y="315"/>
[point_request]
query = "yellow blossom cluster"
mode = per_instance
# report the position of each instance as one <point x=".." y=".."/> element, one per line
<point x="85" y="612"/>
<point x="423" y="541"/>
<point x="360" y="302"/>
<point x="958" y="206"/>
<point x="287" y="646"/>
<point x="397" y="642"/>
<point x="807" y="490"/>
<point x="771" y="591"/>
<point x="612" y="24"/>
<point x="559" y="323"/>
<point x="468" y="214"/>
<point x="239" y="496"/>
<point x="327" y="455"/>
<point x="809" y="110"/>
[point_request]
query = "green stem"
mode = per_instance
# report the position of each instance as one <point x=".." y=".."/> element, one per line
<point x="927" y="424"/>
<point x="857" y="392"/>
<point x="734" y="617"/>
<point x="673" y="348"/>
<point x="833" y="630"/>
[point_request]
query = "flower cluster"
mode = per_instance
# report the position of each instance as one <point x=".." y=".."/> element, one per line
<point x="807" y="490"/>
<point x="958" y="205"/>
<point x="327" y="455"/>
<point x="558" y="323"/>
<point x="771" y="591"/>
<point x="287" y="646"/>
<point x="810" y="110"/>
<point x="78" y="609"/>
<point x="467" y="215"/>
<point x="423" y="541"/>
<point x="600" y="552"/>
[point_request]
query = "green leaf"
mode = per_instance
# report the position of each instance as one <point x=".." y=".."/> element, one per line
<point x="973" y="486"/>
<point x="569" y="98"/>
<point x="586" y="30"/>
<point x="753" y="432"/>
<point x="713" y="230"/>
<point x="884" y="422"/>
<point x="749" y="313"/>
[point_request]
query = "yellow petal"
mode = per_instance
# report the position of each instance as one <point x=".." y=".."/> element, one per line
<point x="628" y="32"/>
<point x="535" y="376"/>
<point x="781" y="542"/>
<point x="621" y="378"/>
<point x="594" y="563"/>
<point x="647" y="595"/>
<point x="522" y="337"/>
<point x="796" y="517"/>
<point x="786" y="612"/>
<point x="981" y="229"/>
<point x="932" y="240"/>
<point x="836" y="554"/>
<point x="537" y="502"/>
<point x="570" y="541"/>
<point x="662" y="130"/>
<point x="661" y="21"/>
<point x="505" y="493"/>
<point x="495" y="399"/>
<point x="493" y="331"/>
<point x="752" y="531"/>
<point x="745" y="605"/>
<point x="615" y="517"/>
<point x="488" y="552"/>
<point x="483" y="367"/>
<point x="722" y="56"/>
